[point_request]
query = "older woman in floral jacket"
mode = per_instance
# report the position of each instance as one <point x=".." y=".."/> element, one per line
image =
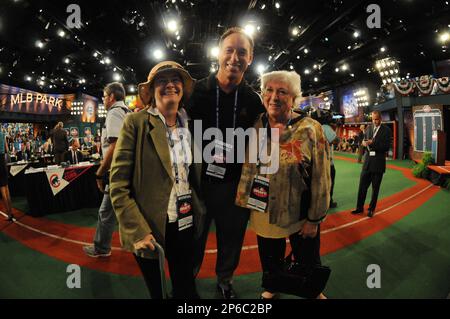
<point x="293" y="201"/>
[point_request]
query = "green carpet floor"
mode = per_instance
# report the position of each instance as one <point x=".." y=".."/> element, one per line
<point x="413" y="256"/>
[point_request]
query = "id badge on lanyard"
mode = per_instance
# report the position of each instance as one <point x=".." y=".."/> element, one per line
<point x="259" y="191"/>
<point x="185" y="211"/>
<point x="259" y="194"/>
<point x="218" y="168"/>
<point x="184" y="199"/>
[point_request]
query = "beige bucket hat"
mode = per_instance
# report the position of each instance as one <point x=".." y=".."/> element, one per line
<point x="145" y="89"/>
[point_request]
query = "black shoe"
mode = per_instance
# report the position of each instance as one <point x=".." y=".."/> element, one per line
<point x="370" y="212"/>
<point x="226" y="292"/>
<point x="357" y="211"/>
<point x="333" y="204"/>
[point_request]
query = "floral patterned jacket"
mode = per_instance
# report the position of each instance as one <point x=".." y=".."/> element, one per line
<point x="300" y="189"/>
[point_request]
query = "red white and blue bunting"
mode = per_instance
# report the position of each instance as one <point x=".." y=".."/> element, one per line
<point x="443" y="84"/>
<point x="425" y="85"/>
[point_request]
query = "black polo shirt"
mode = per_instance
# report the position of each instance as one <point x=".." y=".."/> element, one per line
<point x="202" y="106"/>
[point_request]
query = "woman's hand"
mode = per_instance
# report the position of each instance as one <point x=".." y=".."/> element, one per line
<point x="308" y="230"/>
<point x="145" y="243"/>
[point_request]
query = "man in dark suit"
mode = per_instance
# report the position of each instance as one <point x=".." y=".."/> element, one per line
<point x="377" y="141"/>
<point x="74" y="156"/>
<point x="60" y="142"/>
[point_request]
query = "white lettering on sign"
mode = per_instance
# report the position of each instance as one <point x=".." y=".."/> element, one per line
<point x="23" y="98"/>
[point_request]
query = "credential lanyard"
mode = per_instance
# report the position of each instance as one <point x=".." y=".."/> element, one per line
<point x="234" y="109"/>
<point x="376" y="132"/>
<point x="174" y="154"/>
<point x="258" y="162"/>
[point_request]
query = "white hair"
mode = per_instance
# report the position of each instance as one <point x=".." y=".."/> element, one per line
<point x="291" y="78"/>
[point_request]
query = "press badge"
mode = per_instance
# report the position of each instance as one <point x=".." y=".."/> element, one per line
<point x="259" y="194"/>
<point x="372" y="153"/>
<point x="216" y="171"/>
<point x="184" y="211"/>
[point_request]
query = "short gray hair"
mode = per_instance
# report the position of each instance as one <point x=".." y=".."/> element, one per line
<point x="291" y="78"/>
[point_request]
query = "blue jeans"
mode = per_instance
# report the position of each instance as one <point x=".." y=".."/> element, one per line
<point x="105" y="225"/>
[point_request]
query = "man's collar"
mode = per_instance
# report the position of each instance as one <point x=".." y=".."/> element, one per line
<point x="212" y="82"/>
<point x="117" y="103"/>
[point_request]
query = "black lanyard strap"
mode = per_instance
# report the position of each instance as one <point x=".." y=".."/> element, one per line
<point x="234" y="109"/>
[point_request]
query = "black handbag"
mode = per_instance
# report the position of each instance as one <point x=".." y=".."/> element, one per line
<point x="293" y="278"/>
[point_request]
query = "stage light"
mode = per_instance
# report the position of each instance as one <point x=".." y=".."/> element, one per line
<point x="95" y="54"/>
<point x="277" y="5"/>
<point x="158" y="54"/>
<point x="261" y="68"/>
<point x="28" y="78"/>
<point x="344" y="67"/>
<point x="214" y="51"/>
<point x="61" y="33"/>
<point x="316" y="79"/>
<point x="355" y="34"/>
<point x="383" y="49"/>
<point x="336" y="70"/>
<point x="291" y="67"/>
<point x="172" y="26"/>
<point x="444" y="37"/>
<point x="306" y="51"/>
<point x="107" y="60"/>
<point x="69" y="70"/>
<point x="39" y="44"/>
<point x="249" y="29"/>
<point x="66" y="60"/>
<point x="295" y="31"/>
<point x="132" y="89"/>
<point x="307" y="71"/>
<point x="116" y="77"/>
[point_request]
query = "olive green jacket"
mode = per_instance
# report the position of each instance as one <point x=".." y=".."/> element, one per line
<point x="141" y="181"/>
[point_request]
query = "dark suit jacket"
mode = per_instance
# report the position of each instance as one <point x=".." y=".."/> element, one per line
<point x="60" y="141"/>
<point x="381" y="144"/>
<point x="68" y="157"/>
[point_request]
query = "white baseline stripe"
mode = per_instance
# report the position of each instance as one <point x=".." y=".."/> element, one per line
<point x="213" y="251"/>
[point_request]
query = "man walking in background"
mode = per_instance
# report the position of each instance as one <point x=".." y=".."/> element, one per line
<point x="113" y="99"/>
<point x="377" y="142"/>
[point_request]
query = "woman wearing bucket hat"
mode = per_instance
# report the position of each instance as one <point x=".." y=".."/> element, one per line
<point x="154" y="184"/>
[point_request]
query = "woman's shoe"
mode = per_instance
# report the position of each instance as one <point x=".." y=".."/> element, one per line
<point x="269" y="295"/>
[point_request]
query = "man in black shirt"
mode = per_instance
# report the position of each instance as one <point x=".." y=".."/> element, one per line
<point x="225" y="101"/>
